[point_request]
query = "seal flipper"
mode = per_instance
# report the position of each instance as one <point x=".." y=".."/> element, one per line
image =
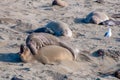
<point x="74" y="51"/>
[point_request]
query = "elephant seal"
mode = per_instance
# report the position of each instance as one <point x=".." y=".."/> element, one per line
<point x="57" y="28"/>
<point x="96" y="17"/>
<point x="101" y="18"/>
<point x="60" y="3"/>
<point x="35" y="41"/>
<point x="47" y="55"/>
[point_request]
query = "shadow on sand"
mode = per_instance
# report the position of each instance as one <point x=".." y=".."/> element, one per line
<point x="94" y="54"/>
<point x="9" y="57"/>
<point x="80" y="20"/>
<point x="117" y="39"/>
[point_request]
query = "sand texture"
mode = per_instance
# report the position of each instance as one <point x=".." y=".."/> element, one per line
<point x="18" y="17"/>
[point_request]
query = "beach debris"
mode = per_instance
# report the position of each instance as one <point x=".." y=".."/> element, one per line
<point x="108" y="33"/>
<point x="60" y="3"/>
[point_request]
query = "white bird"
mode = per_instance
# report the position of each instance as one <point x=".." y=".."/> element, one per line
<point x="108" y="33"/>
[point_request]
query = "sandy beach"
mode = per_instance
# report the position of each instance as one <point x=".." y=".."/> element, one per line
<point x="17" y="17"/>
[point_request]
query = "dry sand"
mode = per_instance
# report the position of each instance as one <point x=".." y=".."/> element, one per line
<point x="17" y="17"/>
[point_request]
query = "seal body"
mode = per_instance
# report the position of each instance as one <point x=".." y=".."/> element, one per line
<point x="53" y="54"/>
<point x="36" y="41"/>
<point x="60" y="3"/>
<point x="96" y="17"/>
<point x="47" y="55"/>
<point x="57" y="28"/>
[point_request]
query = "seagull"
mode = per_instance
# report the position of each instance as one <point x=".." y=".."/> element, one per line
<point x="108" y="33"/>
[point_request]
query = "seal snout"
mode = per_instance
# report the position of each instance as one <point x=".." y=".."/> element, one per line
<point x="22" y="47"/>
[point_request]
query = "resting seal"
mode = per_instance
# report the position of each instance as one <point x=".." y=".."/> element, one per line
<point x="57" y="28"/>
<point x="60" y="3"/>
<point x="47" y="55"/>
<point x="36" y="41"/>
<point x="96" y="17"/>
<point x="101" y="18"/>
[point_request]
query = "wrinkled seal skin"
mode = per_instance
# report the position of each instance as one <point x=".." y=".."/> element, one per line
<point x="47" y="55"/>
<point x="56" y="28"/>
<point x="96" y="17"/>
<point x="36" y="41"/>
<point x="60" y="3"/>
